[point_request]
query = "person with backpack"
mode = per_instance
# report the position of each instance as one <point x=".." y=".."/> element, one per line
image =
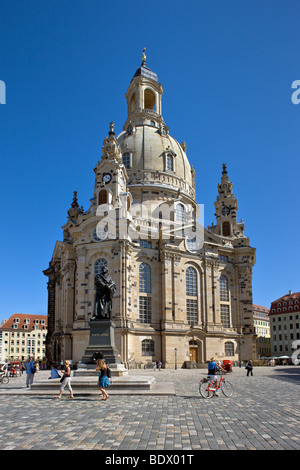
<point x="104" y="373"/>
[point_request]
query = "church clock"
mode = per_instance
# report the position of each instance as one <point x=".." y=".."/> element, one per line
<point x="225" y="210"/>
<point x="106" y="178"/>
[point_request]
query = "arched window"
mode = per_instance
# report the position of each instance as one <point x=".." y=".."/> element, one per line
<point x="145" y="278"/>
<point x="224" y="302"/>
<point x="229" y="348"/>
<point x="149" y="99"/>
<point x="180" y="213"/>
<point x="99" y="265"/>
<point x="191" y="290"/>
<point x="224" y="293"/>
<point x="226" y="229"/>
<point x="147" y="347"/>
<point x="191" y="281"/>
<point x="102" y="197"/>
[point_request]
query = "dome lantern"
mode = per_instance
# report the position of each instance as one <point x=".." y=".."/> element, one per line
<point x="144" y="98"/>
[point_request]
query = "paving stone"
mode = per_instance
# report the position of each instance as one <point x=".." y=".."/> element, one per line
<point x="255" y="418"/>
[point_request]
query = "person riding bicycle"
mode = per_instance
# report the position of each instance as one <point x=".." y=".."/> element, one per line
<point x="3" y="368"/>
<point x="213" y="367"/>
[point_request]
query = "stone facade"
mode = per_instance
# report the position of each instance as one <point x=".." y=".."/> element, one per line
<point x="175" y="300"/>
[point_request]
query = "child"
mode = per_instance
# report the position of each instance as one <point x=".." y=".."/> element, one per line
<point x="104" y="374"/>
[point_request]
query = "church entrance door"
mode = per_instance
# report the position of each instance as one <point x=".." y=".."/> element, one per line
<point x="194" y="353"/>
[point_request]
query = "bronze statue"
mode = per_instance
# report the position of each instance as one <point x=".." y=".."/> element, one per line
<point x="105" y="290"/>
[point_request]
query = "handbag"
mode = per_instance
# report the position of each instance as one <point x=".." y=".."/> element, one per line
<point x="62" y="378"/>
<point x="108" y="372"/>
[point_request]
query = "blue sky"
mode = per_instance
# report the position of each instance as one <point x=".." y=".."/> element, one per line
<point x="226" y="67"/>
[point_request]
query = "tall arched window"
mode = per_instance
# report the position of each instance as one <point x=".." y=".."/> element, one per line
<point x="224" y="294"/>
<point x="224" y="302"/>
<point x="149" y="99"/>
<point x="191" y="281"/>
<point x="180" y="213"/>
<point x="145" y="278"/>
<point x="102" y="197"/>
<point x="145" y="288"/>
<point x="99" y="265"/>
<point x="191" y="291"/>
<point x="226" y="229"/>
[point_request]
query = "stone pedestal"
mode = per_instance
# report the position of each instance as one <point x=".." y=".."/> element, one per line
<point x="102" y="342"/>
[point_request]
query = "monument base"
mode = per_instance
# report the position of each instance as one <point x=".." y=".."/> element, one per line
<point x="101" y="344"/>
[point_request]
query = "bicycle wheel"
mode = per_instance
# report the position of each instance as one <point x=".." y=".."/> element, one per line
<point x="227" y="389"/>
<point x="203" y="390"/>
<point x="5" y="380"/>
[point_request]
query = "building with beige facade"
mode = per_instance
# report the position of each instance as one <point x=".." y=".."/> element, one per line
<point x="22" y="336"/>
<point x="184" y="292"/>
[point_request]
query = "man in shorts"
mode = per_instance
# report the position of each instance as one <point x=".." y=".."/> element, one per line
<point x="213" y="367"/>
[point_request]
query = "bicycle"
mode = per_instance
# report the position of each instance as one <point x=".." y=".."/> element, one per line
<point x="207" y="387"/>
<point x="4" y="379"/>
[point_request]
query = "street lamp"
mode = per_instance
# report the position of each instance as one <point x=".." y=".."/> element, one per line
<point x="175" y="358"/>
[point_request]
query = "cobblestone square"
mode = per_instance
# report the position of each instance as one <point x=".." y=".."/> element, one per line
<point x="263" y="414"/>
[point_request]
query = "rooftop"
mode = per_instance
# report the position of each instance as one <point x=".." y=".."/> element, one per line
<point x="21" y="319"/>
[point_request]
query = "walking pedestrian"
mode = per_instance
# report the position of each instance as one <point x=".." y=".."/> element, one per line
<point x="104" y="375"/>
<point x="30" y="371"/>
<point x="249" y="368"/>
<point x="66" y="380"/>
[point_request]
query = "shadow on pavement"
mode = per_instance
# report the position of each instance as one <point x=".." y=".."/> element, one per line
<point x="290" y="374"/>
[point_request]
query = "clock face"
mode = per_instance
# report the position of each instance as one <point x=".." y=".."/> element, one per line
<point x="225" y="210"/>
<point x="106" y="178"/>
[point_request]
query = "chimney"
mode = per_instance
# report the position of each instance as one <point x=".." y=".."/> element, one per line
<point x="290" y="292"/>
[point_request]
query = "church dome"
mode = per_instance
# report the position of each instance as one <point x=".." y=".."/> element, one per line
<point x="153" y="157"/>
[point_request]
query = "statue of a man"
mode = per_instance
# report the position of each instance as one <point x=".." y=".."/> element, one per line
<point x="105" y="290"/>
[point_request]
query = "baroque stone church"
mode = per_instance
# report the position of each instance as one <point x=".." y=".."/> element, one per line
<point x="183" y="292"/>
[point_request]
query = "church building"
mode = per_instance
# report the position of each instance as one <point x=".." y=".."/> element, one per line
<point x="183" y="292"/>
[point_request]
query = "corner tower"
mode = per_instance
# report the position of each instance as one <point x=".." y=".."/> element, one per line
<point x="226" y="207"/>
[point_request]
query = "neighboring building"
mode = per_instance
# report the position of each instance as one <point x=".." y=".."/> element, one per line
<point x="284" y="324"/>
<point x="174" y="297"/>
<point x="1" y="348"/>
<point x="261" y="323"/>
<point x="22" y="336"/>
